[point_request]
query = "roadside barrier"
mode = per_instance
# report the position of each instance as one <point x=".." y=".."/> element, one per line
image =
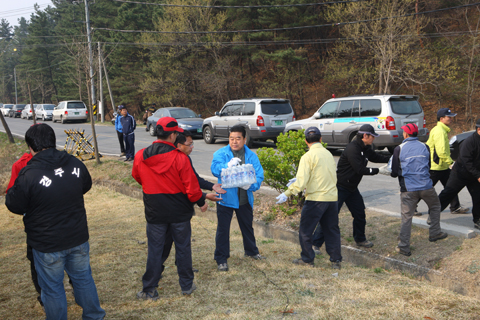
<point x="79" y="145"/>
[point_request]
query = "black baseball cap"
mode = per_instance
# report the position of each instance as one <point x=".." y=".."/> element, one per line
<point x="368" y="129"/>
<point x="478" y="123"/>
<point x="445" y="112"/>
<point x="312" y="131"/>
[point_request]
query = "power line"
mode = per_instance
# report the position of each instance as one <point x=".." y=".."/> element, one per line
<point x="288" y="28"/>
<point x="241" y="7"/>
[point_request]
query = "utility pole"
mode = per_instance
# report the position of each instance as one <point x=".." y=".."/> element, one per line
<point x="108" y="84"/>
<point x="90" y="53"/>
<point x="101" y="107"/>
<point x="15" y="75"/>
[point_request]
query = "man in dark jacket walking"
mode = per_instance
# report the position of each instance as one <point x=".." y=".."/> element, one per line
<point x="128" y="129"/>
<point x="170" y="190"/>
<point x="411" y="164"/>
<point x="466" y="173"/>
<point x="48" y="192"/>
<point x="351" y="167"/>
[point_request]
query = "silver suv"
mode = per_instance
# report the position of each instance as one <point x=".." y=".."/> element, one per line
<point x="340" y="118"/>
<point x="263" y="118"/>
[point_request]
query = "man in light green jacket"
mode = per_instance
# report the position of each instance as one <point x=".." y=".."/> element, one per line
<point x="317" y="176"/>
<point x="440" y="154"/>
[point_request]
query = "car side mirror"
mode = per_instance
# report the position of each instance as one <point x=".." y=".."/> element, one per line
<point x="199" y="115"/>
<point x="317" y="115"/>
<point x="218" y="114"/>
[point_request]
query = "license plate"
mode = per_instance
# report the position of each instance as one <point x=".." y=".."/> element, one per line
<point x="77" y="113"/>
<point x="199" y="130"/>
<point x="278" y="122"/>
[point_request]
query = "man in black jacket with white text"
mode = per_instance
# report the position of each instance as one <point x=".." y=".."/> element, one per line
<point x="48" y="192"/>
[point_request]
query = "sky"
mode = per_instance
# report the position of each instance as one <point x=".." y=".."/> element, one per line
<point x="12" y="10"/>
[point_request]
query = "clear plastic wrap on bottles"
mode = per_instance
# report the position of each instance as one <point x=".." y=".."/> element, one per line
<point x="238" y="176"/>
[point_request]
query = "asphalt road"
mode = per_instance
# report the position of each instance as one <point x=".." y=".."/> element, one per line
<point x="381" y="193"/>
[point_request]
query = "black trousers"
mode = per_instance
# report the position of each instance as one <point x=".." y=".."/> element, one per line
<point x="325" y="214"/>
<point x="354" y="202"/>
<point x="222" y="239"/>
<point x="120" y="140"/>
<point x="32" y="269"/>
<point x="443" y="177"/>
<point x="457" y="181"/>
<point x="157" y="235"/>
<point x="129" y="145"/>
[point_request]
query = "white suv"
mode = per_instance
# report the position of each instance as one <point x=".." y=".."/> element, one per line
<point x="340" y="118"/>
<point x="263" y="118"/>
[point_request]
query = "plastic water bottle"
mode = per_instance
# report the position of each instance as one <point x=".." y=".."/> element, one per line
<point x="251" y="174"/>
<point x="224" y="178"/>
<point x="241" y="175"/>
<point x="234" y="177"/>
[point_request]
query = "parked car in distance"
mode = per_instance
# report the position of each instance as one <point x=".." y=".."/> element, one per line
<point x="339" y="119"/>
<point x="6" y="108"/>
<point x="44" y="111"/>
<point x="70" y="111"/>
<point x="186" y="118"/>
<point x="27" y="112"/>
<point x="16" y="111"/>
<point x="456" y="141"/>
<point x="263" y="118"/>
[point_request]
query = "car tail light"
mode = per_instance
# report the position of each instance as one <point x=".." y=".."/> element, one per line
<point x="293" y="118"/>
<point x="424" y="122"/>
<point x="86" y="112"/>
<point x="30" y="111"/>
<point x="66" y="112"/>
<point x="390" y="123"/>
<point x="260" y="121"/>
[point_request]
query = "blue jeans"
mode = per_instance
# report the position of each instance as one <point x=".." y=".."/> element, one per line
<point x="50" y="269"/>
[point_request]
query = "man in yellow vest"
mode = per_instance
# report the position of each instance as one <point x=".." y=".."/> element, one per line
<point x="440" y="154"/>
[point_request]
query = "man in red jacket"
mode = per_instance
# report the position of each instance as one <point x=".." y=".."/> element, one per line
<point x="170" y="190"/>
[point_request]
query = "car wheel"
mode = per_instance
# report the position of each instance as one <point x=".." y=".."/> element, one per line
<point x="353" y="137"/>
<point x="208" y="135"/>
<point x="62" y="121"/>
<point x="151" y="130"/>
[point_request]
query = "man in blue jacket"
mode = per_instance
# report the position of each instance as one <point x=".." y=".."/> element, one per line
<point x="238" y="199"/>
<point x="128" y="128"/>
<point x="411" y="164"/>
<point x="118" y="128"/>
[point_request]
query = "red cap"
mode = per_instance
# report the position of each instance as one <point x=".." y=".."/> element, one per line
<point x="410" y="128"/>
<point x="169" y="124"/>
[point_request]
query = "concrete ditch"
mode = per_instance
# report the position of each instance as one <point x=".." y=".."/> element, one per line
<point x="350" y="254"/>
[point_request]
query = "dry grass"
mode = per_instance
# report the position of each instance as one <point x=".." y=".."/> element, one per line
<point x="250" y="290"/>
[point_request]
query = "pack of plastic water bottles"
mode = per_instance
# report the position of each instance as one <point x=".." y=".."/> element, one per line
<point x="238" y="176"/>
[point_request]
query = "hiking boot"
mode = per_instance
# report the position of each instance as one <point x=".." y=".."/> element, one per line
<point x="336" y="265"/>
<point x="222" y="267"/>
<point x="477" y="224"/>
<point x="189" y="292"/>
<point x="440" y="236"/>
<point x="366" y="244"/>
<point x="300" y="262"/>
<point x="317" y="250"/>
<point x="153" y="295"/>
<point x="416" y="213"/>
<point x="122" y="154"/>
<point x="258" y="256"/>
<point x="404" y="252"/>
<point x="459" y="210"/>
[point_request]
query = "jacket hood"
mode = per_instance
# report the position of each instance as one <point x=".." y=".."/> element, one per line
<point x="50" y="158"/>
<point x="160" y="156"/>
